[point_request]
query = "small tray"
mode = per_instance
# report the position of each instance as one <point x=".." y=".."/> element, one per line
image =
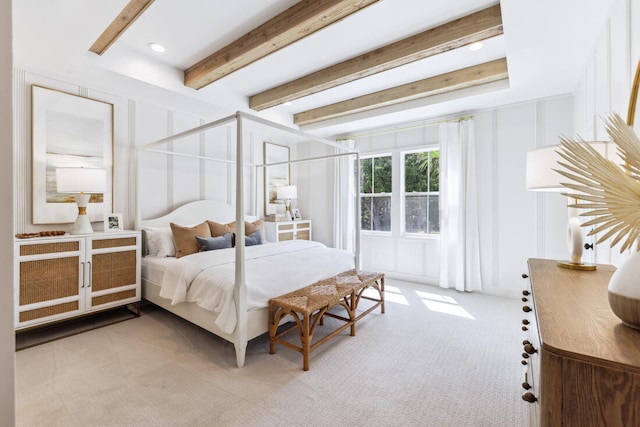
<point x="40" y="234"/>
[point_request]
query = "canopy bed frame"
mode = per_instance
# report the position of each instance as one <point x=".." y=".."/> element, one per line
<point x="250" y="323"/>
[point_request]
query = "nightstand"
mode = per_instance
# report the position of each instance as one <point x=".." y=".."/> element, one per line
<point x="287" y="230"/>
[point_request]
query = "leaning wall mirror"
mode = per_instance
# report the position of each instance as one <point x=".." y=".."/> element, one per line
<point x="69" y="131"/>
<point x="274" y="176"/>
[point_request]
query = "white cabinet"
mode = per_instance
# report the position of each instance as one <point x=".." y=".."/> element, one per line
<point x="287" y="230"/>
<point x="66" y="276"/>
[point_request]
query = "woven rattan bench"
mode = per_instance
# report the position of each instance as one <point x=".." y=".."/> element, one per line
<point x="309" y="305"/>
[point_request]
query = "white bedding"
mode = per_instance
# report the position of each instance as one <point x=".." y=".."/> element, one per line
<point x="207" y="278"/>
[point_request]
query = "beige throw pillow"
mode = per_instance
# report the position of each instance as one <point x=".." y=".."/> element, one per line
<point x="218" y="229"/>
<point x="185" y="238"/>
<point x="249" y="227"/>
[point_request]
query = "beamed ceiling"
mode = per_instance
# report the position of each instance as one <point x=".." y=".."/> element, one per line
<point x="327" y="66"/>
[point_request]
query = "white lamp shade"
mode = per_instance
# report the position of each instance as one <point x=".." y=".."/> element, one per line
<point x="81" y="180"/>
<point x="541" y="162"/>
<point x="287" y="192"/>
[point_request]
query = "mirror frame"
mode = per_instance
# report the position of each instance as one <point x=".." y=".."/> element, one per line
<point x="275" y="176"/>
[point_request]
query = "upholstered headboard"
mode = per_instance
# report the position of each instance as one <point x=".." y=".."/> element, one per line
<point x="195" y="213"/>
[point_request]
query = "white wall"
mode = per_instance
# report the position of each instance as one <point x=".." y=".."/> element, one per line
<point x="7" y="337"/>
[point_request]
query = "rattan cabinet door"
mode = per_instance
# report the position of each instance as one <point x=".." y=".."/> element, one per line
<point x="48" y="280"/>
<point x="114" y="268"/>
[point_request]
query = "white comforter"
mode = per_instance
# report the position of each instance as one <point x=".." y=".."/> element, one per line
<point x="207" y="278"/>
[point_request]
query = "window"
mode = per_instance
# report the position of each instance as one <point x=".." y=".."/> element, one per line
<point x="421" y="192"/>
<point x="375" y="193"/>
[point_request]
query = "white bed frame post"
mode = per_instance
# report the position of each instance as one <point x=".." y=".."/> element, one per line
<point x="240" y="287"/>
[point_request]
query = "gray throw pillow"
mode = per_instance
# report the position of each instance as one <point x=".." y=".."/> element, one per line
<point x="213" y="243"/>
<point x="253" y="239"/>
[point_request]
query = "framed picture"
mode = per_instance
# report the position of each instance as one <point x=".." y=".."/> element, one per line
<point x="69" y="131"/>
<point x="295" y="213"/>
<point x="113" y="222"/>
<point x="274" y="176"/>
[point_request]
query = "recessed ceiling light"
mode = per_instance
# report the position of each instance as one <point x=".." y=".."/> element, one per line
<point x="475" y="46"/>
<point x="156" y="47"/>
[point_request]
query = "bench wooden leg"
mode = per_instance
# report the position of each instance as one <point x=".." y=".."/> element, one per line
<point x="353" y="303"/>
<point x="305" y="338"/>
<point x="273" y="329"/>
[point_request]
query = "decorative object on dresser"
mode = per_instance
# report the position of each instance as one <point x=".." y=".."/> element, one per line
<point x="287" y="230"/>
<point x="611" y="191"/>
<point x="113" y="222"/>
<point x="611" y="194"/>
<point x="295" y="213"/>
<point x="583" y="366"/>
<point x="286" y="193"/>
<point x="541" y="176"/>
<point x="82" y="182"/>
<point x="61" y="277"/>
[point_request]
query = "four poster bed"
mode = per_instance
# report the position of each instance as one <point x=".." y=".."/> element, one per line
<point x="226" y="290"/>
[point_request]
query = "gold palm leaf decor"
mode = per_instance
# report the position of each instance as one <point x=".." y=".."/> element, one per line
<point x="610" y="193"/>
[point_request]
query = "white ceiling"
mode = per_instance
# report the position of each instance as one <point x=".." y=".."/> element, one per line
<point x="547" y="44"/>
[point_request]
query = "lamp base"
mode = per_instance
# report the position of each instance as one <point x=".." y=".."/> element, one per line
<point x="576" y="265"/>
<point x="82" y="224"/>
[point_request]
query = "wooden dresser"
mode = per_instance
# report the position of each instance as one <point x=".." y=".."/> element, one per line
<point x="583" y="364"/>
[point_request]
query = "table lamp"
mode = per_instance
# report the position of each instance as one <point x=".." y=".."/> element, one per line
<point x="286" y="193"/>
<point x="541" y="176"/>
<point x="82" y="182"/>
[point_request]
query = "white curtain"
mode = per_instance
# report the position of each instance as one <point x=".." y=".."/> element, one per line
<point x="459" y="241"/>
<point x="344" y="211"/>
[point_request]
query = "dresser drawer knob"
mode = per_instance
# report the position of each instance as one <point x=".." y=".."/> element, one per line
<point x="525" y="293"/>
<point x="524" y="362"/>
<point x="524" y="299"/>
<point x="525" y="355"/>
<point x="524" y="275"/>
<point x="525" y="342"/>
<point x="526" y="385"/>
<point x="529" y="397"/>
<point x="524" y="328"/>
<point x="525" y="322"/>
<point x="526" y="308"/>
<point x="530" y="349"/>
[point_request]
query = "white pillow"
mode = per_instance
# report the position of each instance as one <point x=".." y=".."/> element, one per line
<point x="160" y="241"/>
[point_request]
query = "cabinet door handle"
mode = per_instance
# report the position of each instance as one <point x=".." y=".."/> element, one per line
<point x="89" y="281"/>
<point x="82" y="274"/>
<point x="529" y="397"/>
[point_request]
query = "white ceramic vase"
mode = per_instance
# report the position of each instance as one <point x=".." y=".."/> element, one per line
<point x="624" y="291"/>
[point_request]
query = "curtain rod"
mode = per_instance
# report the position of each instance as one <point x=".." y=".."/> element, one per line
<point x="422" y="125"/>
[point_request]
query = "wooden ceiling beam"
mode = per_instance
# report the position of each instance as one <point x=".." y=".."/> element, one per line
<point x="295" y="23"/>
<point x="118" y="26"/>
<point x="467" y="77"/>
<point x="452" y="35"/>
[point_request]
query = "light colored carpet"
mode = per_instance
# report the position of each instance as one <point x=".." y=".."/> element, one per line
<point x="435" y="358"/>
